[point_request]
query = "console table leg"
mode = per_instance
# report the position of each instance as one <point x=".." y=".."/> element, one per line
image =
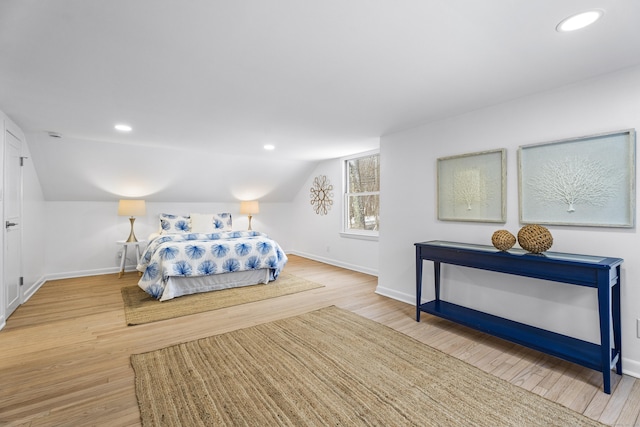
<point x="604" y="312"/>
<point x="615" y="304"/>
<point x="418" y="283"/>
<point x="436" y="275"/>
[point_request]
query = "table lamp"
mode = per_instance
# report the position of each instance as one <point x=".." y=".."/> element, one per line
<point x="249" y="208"/>
<point x="132" y="208"/>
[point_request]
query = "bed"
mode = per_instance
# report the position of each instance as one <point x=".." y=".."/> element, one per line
<point x="202" y="253"/>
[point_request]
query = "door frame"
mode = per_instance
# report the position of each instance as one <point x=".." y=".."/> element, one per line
<point x="10" y="306"/>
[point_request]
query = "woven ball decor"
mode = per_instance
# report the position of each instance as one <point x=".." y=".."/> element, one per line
<point x="503" y="240"/>
<point x="535" y="238"/>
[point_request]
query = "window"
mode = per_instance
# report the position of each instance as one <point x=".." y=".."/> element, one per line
<point x="362" y="195"/>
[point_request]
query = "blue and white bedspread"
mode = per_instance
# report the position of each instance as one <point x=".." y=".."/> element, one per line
<point x="204" y="254"/>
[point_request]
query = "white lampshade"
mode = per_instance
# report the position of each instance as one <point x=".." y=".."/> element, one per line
<point x="249" y="207"/>
<point x="132" y="208"/>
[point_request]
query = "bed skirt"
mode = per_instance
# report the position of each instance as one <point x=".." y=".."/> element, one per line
<point x="178" y="286"/>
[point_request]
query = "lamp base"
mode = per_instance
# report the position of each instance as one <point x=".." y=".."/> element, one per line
<point x="132" y="236"/>
<point x="249" y="223"/>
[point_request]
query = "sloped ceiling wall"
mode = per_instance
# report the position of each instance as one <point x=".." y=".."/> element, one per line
<point x="72" y="169"/>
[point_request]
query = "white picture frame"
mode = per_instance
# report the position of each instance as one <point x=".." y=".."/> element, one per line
<point x="472" y="187"/>
<point x="584" y="181"/>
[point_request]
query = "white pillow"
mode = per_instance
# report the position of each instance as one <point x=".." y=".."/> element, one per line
<point x="209" y="223"/>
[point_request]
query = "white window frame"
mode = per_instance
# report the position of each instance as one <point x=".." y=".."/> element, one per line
<point x="346" y="232"/>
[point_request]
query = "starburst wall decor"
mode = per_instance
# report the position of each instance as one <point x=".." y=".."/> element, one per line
<point x="321" y="195"/>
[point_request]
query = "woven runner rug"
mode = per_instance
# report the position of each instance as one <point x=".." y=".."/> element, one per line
<point x="328" y="367"/>
<point x="140" y="307"/>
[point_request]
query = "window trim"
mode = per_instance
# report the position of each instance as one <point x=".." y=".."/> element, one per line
<point x="346" y="232"/>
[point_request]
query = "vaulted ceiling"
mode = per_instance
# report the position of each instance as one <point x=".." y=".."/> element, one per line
<point x="205" y="84"/>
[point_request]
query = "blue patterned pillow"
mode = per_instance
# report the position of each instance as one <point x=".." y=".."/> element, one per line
<point x="222" y="222"/>
<point x="209" y="223"/>
<point x="173" y="224"/>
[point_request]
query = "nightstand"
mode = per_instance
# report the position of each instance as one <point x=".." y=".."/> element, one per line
<point x="125" y="245"/>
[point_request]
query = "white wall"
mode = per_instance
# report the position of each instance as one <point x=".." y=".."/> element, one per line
<point x="81" y="236"/>
<point x="318" y="236"/>
<point x="408" y="209"/>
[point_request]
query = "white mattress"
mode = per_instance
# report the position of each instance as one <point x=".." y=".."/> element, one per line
<point x="178" y="286"/>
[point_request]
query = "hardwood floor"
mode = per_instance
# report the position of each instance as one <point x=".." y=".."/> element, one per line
<point x="64" y="354"/>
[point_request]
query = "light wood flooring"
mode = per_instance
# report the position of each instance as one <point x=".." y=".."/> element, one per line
<point x="64" y="354"/>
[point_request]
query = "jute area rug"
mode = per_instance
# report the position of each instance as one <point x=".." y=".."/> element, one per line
<point x="328" y="367"/>
<point x="140" y="307"/>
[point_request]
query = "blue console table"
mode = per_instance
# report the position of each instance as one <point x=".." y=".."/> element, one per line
<point x="601" y="273"/>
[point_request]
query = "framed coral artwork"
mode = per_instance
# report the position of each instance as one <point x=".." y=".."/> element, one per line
<point x="585" y="181"/>
<point x="472" y="187"/>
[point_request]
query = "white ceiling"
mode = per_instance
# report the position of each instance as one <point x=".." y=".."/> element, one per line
<point x="204" y="82"/>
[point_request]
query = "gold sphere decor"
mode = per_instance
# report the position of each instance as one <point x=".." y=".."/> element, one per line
<point x="503" y="240"/>
<point x="535" y="238"/>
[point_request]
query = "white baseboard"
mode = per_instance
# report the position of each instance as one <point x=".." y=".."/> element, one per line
<point x="84" y="273"/>
<point x="399" y="296"/>
<point x="28" y="292"/>
<point x="358" y="268"/>
<point x="631" y="367"/>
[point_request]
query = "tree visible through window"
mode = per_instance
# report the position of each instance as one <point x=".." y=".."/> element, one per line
<point x="362" y="196"/>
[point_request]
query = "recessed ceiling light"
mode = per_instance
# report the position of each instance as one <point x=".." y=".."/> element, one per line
<point x="123" y="128"/>
<point x="581" y="20"/>
<point x="269" y="147"/>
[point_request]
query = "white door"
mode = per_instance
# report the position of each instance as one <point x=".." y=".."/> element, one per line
<point x="12" y="219"/>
